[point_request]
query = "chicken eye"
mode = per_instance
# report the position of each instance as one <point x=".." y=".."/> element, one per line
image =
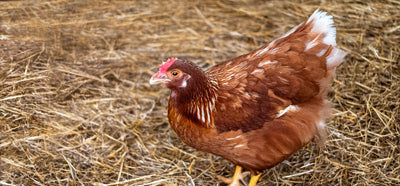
<point x="174" y="73"/>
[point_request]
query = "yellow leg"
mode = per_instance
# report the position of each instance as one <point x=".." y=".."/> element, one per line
<point x="236" y="176"/>
<point x="254" y="179"/>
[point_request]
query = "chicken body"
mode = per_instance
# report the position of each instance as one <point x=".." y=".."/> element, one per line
<point x="257" y="109"/>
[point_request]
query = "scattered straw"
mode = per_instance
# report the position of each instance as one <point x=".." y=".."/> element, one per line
<point x="76" y="107"/>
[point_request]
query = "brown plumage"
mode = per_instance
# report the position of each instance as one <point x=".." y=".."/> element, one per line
<point x="257" y="109"/>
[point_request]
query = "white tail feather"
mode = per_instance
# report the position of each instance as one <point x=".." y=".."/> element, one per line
<point x="322" y="23"/>
<point x="335" y="57"/>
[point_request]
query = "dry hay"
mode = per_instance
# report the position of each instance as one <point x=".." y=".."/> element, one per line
<point x="76" y="107"/>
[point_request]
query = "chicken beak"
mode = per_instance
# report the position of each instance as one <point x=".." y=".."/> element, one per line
<point x="158" y="78"/>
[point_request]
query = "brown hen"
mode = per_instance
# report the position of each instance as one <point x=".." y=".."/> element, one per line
<point x="257" y="109"/>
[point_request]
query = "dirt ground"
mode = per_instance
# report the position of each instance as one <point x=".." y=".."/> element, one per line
<point x="76" y="107"/>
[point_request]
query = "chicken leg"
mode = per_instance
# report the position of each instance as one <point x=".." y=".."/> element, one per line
<point x="236" y="176"/>
<point x="254" y="179"/>
<point x="234" y="181"/>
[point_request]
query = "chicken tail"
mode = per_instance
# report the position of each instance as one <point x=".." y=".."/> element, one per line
<point x="316" y="36"/>
<point x="322" y="38"/>
<point x="321" y="41"/>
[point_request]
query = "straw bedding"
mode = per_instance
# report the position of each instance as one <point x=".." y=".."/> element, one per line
<point x="76" y="107"/>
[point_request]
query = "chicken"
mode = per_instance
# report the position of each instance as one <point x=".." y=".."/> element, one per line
<point x="259" y="108"/>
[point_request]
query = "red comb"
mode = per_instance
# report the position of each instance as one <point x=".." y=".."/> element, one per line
<point x="165" y="66"/>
